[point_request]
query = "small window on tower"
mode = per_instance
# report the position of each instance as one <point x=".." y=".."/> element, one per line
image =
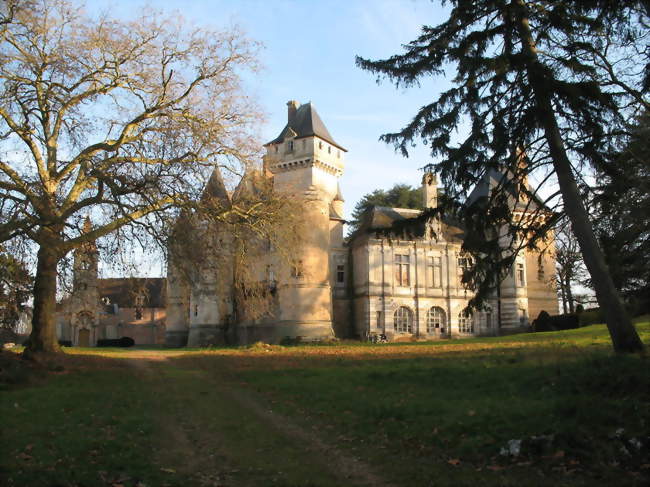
<point x="85" y="265"/>
<point x="340" y="273"/>
<point x="338" y="154"/>
<point x="196" y="310"/>
<point x="320" y="145"/>
<point x="329" y="149"/>
<point x="290" y="146"/>
<point x="276" y="148"/>
<point x="304" y="143"/>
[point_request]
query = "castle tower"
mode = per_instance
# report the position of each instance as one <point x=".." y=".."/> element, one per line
<point x="306" y="163"/>
<point x="84" y="301"/>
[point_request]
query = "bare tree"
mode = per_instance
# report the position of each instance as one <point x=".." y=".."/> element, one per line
<point x="569" y="265"/>
<point x="119" y="120"/>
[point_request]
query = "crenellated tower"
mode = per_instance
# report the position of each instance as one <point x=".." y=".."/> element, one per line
<point x="306" y="163"/>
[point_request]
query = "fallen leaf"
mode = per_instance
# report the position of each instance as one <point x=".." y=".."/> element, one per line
<point x="168" y="470"/>
<point x="495" y="468"/>
<point x="454" y="461"/>
<point x="471" y="412"/>
<point x="559" y="454"/>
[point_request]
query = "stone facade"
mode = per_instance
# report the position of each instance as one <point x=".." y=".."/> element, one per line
<point x="110" y="308"/>
<point x="374" y="283"/>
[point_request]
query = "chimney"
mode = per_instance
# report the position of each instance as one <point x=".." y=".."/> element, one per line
<point x="430" y="190"/>
<point x="292" y="107"/>
<point x="522" y="164"/>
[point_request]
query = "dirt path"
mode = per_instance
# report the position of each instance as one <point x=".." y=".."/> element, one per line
<point x="215" y="432"/>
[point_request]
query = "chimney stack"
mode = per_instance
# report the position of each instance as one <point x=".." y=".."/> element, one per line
<point x="292" y="107"/>
<point x="430" y="190"/>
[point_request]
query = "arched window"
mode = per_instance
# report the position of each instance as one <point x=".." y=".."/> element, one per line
<point x="465" y="322"/>
<point x="403" y="320"/>
<point x="436" y="320"/>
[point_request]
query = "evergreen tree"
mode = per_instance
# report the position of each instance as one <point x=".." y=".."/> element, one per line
<point x="399" y="196"/>
<point x="622" y="216"/>
<point x="546" y="88"/>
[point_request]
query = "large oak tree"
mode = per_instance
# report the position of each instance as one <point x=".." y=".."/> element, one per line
<point x="543" y="88"/>
<point x="119" y="120"/>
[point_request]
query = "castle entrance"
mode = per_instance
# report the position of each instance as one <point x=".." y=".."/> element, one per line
<point x="84" y="337"/>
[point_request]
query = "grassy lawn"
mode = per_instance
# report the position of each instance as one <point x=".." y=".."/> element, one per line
<point x="412" y="414"/>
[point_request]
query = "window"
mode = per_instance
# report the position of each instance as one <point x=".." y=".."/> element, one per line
<point x="329" y="149"/>
<point x="270" y="275"/>
<point x="290" y="146"/>
<point x="403" y="320"/>
<point x="488" y="320"/>
<point x="464" y="264"/>
<point x="340" y="273"/>
<point x="520" y="274"/>
<point x="85" y="265"/>
<point x="304" y="143"/>
<point x="465" y="322"/>
<point x="523" y="317"/>
<point x="138" y="314"/>
<point x="196" y="310"/>
<point x="276" y="149"/>
<point x="320" y="145"/>
<point x="379" y="320"/>
<point x="402" y="269"/>
<point x="434" y="272"/>
<point x="296" y="269"/>
<point x="436" y="320"/>
<point x="540" y="269"/>
<point x="338" y="154"/>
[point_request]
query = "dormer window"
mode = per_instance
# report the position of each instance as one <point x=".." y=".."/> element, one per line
<point x="290" y="146"/>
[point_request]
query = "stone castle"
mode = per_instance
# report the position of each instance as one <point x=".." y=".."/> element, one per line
<point x="376" y="282"/>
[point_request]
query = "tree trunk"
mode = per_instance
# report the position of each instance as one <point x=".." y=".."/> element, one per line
<point x="43" y="338"/>
<point x="624" y="335"/>
<point x="569" y="294"/>
<point x="565" y="309"/>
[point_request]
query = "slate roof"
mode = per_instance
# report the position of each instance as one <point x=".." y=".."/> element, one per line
<point x="305" y="123"/>
<point x="398" y="220"/>
<point x="123" y="291"/>
<point x="493" y="179"/>
<point x="215" y="189"/>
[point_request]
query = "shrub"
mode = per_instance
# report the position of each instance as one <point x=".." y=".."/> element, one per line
<point x="591" y="317"/>
<point x="116" y="342"/>
<point x="545" y="322"/>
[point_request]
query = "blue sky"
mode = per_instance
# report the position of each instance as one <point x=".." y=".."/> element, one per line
<point x="308" y="55"/>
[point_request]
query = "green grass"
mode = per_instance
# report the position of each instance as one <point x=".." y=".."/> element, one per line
<point x="417" y="413"/>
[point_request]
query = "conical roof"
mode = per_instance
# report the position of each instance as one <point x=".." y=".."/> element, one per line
<point x="305" y="122"/>
<point x="215" y="189"/>
<point x="251" y="184"/>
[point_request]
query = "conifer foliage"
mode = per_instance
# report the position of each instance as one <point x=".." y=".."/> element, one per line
<point x="545" y="89"/>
